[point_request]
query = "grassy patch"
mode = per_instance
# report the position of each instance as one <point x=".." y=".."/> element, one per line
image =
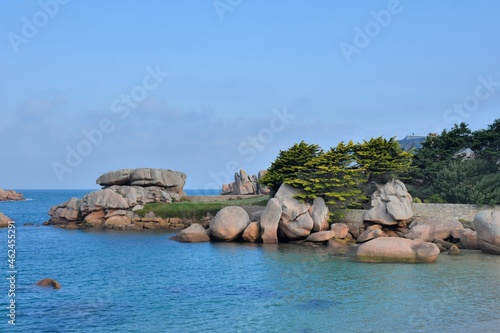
<point x="197" y="209"/>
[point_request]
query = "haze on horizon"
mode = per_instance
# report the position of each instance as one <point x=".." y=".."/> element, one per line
<point x="209" y="87"/>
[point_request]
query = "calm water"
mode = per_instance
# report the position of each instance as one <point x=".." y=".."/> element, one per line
<point x="143" y="282"/>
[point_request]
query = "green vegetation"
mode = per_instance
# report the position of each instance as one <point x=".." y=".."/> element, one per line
<point x="440" y="175"/>
<point x="341" y="174"/>
<point x="441" y="171"/>
<point x="289" y="165"/>
<point x="333" y="175"/>
<point x="197" y="209"/>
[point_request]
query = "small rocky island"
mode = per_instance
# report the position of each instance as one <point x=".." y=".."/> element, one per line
<point x="124" y="192"/>
<point x="10" y="195"/>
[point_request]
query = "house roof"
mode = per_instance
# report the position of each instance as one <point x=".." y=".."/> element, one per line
<point x="411" y="142"/>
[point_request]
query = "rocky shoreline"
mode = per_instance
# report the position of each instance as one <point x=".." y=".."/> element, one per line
<point x="390" y="231"/>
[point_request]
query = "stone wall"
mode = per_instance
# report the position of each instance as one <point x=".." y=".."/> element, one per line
<point x="459" y="212"/>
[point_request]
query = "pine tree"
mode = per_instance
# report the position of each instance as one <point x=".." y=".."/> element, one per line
<point x="334" y="176"/>
<point x="382" y="159"/>
<point x="289" y="164"/>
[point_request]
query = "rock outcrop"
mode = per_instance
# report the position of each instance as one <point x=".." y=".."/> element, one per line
<point x="390" y="204"/>
<point x="245" y="184"/>
<point x="10" y="195"/>
<point x="124" y="192"/>
<point x="4" y="220"/>
<point x="487" y="224"/>
<point x="392" y="249"/>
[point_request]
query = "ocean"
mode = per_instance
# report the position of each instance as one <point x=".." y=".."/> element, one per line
<point x="130" y="281"/>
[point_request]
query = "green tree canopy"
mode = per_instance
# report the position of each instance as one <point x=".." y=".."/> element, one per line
<point x="382" y="159"/>
<point x="334" y="176"/>
<point x="289" y="164"/>
<point x="439" y="173"/>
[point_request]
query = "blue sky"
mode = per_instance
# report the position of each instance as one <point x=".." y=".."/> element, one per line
<point x="206" y="87"/>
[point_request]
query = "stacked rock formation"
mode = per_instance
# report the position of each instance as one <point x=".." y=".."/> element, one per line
<point x="124" y="191"/>
<point x="245" y="184"/>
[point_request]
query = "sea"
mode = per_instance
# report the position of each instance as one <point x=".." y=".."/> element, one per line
<point x="141" y="281"/>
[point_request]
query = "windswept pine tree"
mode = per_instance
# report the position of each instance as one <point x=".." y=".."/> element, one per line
<point x="382" y="159"/>
<point x="333" y="175"/>
<point x="289" y="164"/>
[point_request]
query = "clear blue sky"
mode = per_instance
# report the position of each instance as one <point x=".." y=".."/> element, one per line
<point x="85" y="88"/>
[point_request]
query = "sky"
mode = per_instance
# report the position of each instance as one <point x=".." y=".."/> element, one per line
<point x="208" y="87"/>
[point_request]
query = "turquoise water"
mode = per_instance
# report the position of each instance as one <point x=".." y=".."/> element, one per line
<point x="130" y="281"/>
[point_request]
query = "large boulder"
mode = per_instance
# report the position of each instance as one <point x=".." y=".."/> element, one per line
<point x="4" y="220"/>
<point x="174" y="181"/>
<point x="10" y="195"/>
<point x="429" y="229"/>
<point x="320" y="214"/>
<point x="390" y="204"/>
<point x="291" y="207"/>
<point x="229" y="223"/>
<point x="487" y="225"/>
<point x="298" y="228"/>
<point x="106" y="198"/>
<point x="391" y="249"/>
<point x="195" y="233"/>
<point x="269" y="221"/>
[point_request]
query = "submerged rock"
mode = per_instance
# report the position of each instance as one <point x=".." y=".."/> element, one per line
<point x="48" y="282"/>
<point x="195" y="233"/>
